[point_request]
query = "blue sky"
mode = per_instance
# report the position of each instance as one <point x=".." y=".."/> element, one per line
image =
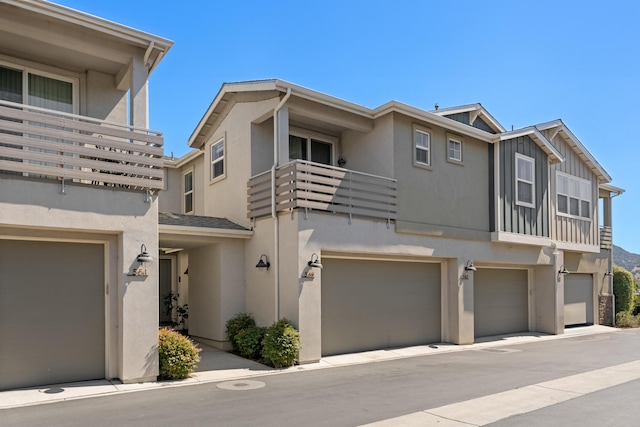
<point x="526" y="62"/>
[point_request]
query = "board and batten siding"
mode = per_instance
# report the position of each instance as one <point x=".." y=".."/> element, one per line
<point x="478" y="123"/>
<point x="565" y="228"/>
<point x="521" y="219"/>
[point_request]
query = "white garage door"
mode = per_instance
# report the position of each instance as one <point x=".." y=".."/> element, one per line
<point x="51" y="313"/>
<point x="500" y="303"/>
<point x="578" y="299"/>
<point x="369" y="305"/>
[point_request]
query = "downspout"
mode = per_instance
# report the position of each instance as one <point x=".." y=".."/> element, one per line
<point x="274" y="212"/>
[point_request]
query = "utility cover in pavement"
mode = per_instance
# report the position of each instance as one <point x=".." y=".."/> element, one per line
<point x="241" y="385"/>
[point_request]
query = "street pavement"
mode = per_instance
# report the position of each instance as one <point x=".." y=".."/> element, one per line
<point x="528" y="380"/>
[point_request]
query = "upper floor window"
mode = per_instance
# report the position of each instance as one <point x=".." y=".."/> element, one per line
<point x="525" y="181"/>
<point x="217" y="160"/>
<point x="454" y="149"/>
<point x="574" y="196"/>
<point x="422" y="142"/>
<point x="311" y="146"/>
<point x="187" y="179"/>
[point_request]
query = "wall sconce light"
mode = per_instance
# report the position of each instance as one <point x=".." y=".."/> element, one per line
<point x="562" y="272"/>
<point x="142" y="257"/>
<point x="315" y="261"/>
<point x="608" y="274"/>
<point x="263" y="262"/>
<point x="341" y="162"/>
<point x="467" y="268"/>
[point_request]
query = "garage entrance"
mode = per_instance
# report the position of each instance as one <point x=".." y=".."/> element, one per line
<point x="500" y="302"/>
<point x="52" y="313"/>
<point x="369" y="305"/>
<point x="578" y="299"/>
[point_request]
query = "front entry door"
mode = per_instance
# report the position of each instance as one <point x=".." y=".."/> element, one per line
<point x="165" y="290"/>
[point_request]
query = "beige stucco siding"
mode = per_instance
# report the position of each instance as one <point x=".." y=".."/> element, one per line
<point x="444" y="195"/>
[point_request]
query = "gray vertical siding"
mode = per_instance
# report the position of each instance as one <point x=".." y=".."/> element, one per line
<point x="478" y="123"/>
<point x="563" y="228"/>
<point x="521" y="219"/>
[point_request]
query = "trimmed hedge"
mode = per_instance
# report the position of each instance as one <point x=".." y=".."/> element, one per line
<point x="178" y="355"/>
<point x="623" y="289"/>
<point x="236" y="324"/>
<point x="249" y="341"/>
<point x="281" y="344"/>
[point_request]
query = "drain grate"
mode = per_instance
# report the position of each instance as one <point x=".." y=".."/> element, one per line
<point x="241" y="385"/>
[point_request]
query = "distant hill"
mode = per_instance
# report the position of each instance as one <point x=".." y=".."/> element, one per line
<point x="627" y="260"/>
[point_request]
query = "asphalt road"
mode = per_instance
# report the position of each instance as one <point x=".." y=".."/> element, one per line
<point x="361" y="394"/>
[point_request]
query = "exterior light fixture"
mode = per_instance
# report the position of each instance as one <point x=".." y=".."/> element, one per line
<point x="263" y="262"/>
<point x="341" y="162"/>
<point x="608" y="274"/>
<point x="142" y="257"/>
<point x="470" y="267"/>
<point x="562" y="272"/>
<point x="315" y="261"/>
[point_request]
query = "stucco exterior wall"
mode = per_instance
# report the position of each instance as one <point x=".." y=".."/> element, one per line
<point x="124" y="221"/>
<point x="445" y="195"/>
<point x="370" y="152"/>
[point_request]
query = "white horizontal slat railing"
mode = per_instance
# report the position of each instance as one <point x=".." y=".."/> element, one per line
<point x="319" y="187"/>
<point x="41" y="143"/>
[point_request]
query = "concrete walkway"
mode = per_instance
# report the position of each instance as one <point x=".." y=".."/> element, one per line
<point x="219" y="366"/>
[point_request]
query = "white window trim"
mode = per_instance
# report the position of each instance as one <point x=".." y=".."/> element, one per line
<point x="415" y="146"/>
<point x="532" y="182"/>
<point x="223" y="159"/>
<point x="580" y="199"/>
<point x="308" y="135"/>
<point x="185" y="193"/>
<point x="75" y="81"/>
<point x="460" y="140"/>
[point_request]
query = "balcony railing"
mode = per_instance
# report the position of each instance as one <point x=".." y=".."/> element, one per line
<point x="37" y="142"/>
<point x="313" y="186"/>
<point x="606" y="241"/>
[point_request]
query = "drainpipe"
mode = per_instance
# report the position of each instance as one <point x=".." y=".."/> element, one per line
<point x="274" y="212"/>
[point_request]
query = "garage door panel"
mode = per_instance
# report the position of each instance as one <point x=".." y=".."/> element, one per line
<point x="371" y="305"/>
<point x="51" y="313"/>
<point x="500" y="301"/>
<point x="578" y="299"/>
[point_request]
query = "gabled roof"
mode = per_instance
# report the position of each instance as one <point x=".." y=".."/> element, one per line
<point x="475" y="111"/>
<point x="532" y="132"/>
<point x="155" y="47"/>
<point x="559" y="128"/>
<point x="217" y="108"/>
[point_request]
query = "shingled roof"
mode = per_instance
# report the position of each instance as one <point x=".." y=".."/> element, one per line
<point x="167" y="218"/>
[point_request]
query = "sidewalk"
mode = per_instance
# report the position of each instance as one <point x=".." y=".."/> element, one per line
<point x="219" y="366"/>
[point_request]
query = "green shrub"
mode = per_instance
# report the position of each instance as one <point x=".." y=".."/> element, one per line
<point x="236" y="324"/>
<point x="623" y="289"/>
<point x="178" y="355"/>
<point x="281" y="344"/>
<point x="249" y="341"/>
<point x="627" y="320"/>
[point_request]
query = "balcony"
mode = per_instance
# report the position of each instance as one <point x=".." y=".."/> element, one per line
<point x="606" y="241"/>
<point x="317" y="187"/>
<point x="41" y="143"/>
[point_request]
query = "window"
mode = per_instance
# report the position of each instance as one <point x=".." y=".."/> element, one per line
<point x="188" y="192"/>
<point x="525" y="181"/>
<point x="422" y="141"/>
<point x="306" y="145"/>
<point x="573" y="195"/>
<point x="455" y="150"/>
<point x="217" y="159"/>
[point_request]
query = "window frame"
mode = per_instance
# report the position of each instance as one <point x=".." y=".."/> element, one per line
<point x="459" y="140"/>
<point x="532" y="182"/>
<point x="424" y="131"/>
<point x="582" y="184"/>
<point x="186" y="193"/>
<point x="223" y="159"/>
